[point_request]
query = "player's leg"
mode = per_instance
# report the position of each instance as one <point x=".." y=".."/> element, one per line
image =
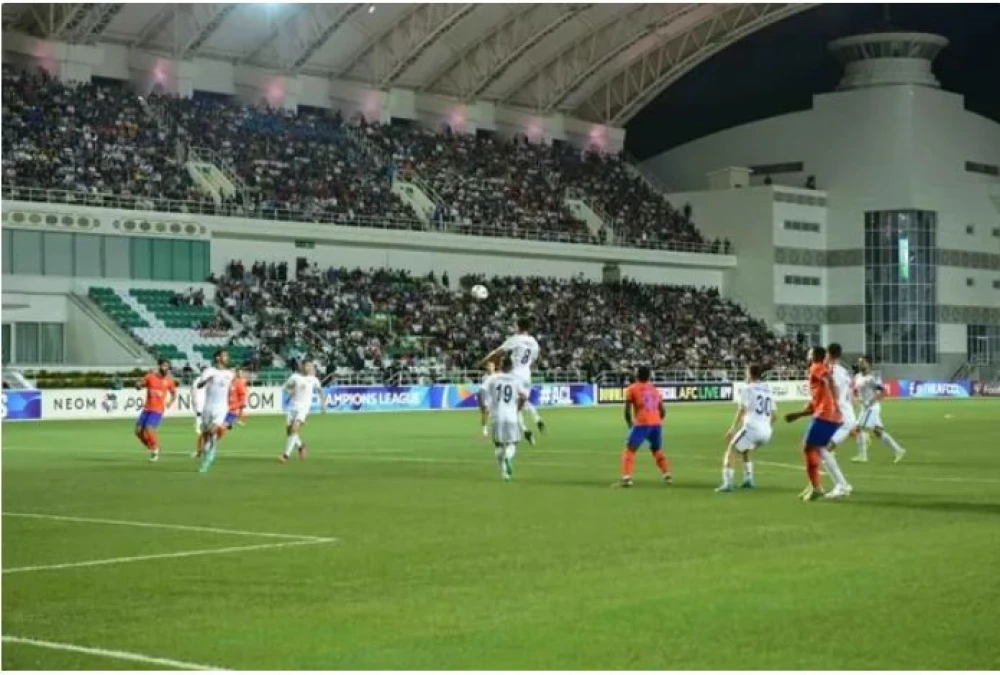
<point x="213" y="431"/>
<point x="841" y="488"/>
<point x="747" y="460"/>
<point x="818" y="435"/>
<point x="636" y="437"/>
<point x="531" y="409"/>
<point x="655" y="439"/>
<point x="728" y="460"/>
<point x="152" y="439"/>
<point x="499" y="455"/>
<point x="293" y="442"/>
<point x="890" y="442"/>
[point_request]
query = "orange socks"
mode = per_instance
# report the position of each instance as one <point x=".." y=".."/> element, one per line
<point x="628" y="462"/>
<point x="661" y="462"/>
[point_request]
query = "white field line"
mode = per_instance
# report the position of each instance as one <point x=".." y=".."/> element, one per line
<point x="109" y="653"/>
<point x="166" y="526"/>
<point x="161" y="556"/>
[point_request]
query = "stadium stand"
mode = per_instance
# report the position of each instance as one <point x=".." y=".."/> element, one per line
<point x="353" y="320"/>
<point x="101" y="144"/>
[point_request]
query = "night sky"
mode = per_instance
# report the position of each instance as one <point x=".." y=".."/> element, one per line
<point x="778" y="69"/>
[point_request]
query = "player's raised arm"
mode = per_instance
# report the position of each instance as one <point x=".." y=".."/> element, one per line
<point x="492" y="356"/>
<point x="204" y="379"/>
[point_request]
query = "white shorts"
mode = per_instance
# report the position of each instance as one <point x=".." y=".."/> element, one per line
<point x="523" y="374"/>
<point x="750" y="438"/>
<point x="296" y="415"/>
<point x="197" y="422"/>
<point x="212" y="418"/>
<point x="871" y="418"/>
<point x="846" y="427"/>
<point x="505" y="432"/>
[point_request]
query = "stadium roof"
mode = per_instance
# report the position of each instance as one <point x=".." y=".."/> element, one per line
<point x="597" y="62"/>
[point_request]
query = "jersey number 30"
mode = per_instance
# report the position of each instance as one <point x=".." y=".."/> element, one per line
<point x="764" y="406"/>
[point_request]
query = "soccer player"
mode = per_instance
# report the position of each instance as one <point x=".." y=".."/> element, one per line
<point x="216" y="380"/>
<point x="300" y="387"/>
<point x="755" y="414"/>
<point x="523" y="350"/>
<point x="842" y="381"/>
<point x="645" y="401"/>
<point x="237" y="399"/>
<point x="822" y="407"/>
<point x="871" y="391"/>
<point x="161" y="390"/>
<point x="197" y="403"/>
<point x="491" y="368"/>
<point x="500" y="402"/>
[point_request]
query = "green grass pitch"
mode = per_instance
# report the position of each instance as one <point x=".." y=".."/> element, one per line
<point x="437" y="564"/>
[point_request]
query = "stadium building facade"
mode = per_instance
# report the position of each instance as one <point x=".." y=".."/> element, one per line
<point x="897" y="250"/>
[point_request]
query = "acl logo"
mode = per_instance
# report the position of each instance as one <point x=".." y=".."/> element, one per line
<point x="110" y="402"/>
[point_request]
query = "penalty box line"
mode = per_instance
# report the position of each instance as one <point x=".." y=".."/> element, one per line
<point x="113" y="654"/>
<point x="290" y="540"/>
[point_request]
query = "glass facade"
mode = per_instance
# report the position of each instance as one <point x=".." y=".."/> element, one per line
<point x="901" y="312"/>
<point x="67" y="254"/>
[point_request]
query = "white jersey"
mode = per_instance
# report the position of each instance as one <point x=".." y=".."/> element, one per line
<point x="216" y="391"/>
<point x="197" y="397"/>
<point x="842" y="380"/>
<point x="501" y="392"/>
<point x="301" y="388"/>
<point x="523" y="352"/>
<point x="868" y="387"/>
<point x="758" y="402"/>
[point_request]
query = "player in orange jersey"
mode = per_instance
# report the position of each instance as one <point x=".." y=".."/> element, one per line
<point x="644" y="400"/>
<point x="826" y="419"/>
<point x="237" y="399"/>
<point x="161" y="390"/>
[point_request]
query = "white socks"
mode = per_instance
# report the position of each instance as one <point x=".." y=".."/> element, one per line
<point x="727" y="475"/>
<point x="891" y="442"/>
<point x="291" y="443"/>
<point x="747" y="470"/>
<point x="862" y="445"/>
<point x="510" y="451"/>
<point x="832" y="466"/>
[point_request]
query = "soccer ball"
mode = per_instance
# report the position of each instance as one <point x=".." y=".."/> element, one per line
<point x="479" y="292"/>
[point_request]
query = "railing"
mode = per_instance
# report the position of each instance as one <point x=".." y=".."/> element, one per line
<point x="211" y="156"/>
<point x="143" y="203"/>
<point x="651" y="180"/>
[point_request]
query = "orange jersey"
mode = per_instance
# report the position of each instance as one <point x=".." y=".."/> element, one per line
<point x="156" y="387"/>
<point x="238" y="395"/>
<point x="645" y="401"/>
<point x="822" y="403"/>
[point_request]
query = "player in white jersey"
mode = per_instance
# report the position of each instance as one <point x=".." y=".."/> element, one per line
<point x="751" y="428"/>
<point x="197" y="403"/>
<point x="500" y="402"/>
<point x="215" y="381"/>
<point x="491" y="368"/>
<point x="301" y="387"/>
<point x="523" y="350"/>
<point x="871" y="392"/>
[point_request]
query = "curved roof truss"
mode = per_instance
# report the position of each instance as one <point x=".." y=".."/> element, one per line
<point x="594" y="61"/>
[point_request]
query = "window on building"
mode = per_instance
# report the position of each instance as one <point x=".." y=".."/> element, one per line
<point x="901" y="311"/>
<point x="969" y="281"/>
<point x="985" y="169"/>
<point x="983" y="343"/>
<point x="36" y="343"/>
<point x="801" y="226"/>
<point x="970" y="229"/>
<point x="806" y="334"/>
<point x="780" y="167"/>
<point x="795" y="280"/>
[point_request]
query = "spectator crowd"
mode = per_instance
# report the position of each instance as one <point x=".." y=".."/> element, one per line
<point x="311" y="165"/>
<point x="352" y="320"/>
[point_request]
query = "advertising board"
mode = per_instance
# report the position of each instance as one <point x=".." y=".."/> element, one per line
<point x="21" y="405"/>
<point x="934" y="389"/>
<point x="91" y="404"/>
<point x="673" y="392"/>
